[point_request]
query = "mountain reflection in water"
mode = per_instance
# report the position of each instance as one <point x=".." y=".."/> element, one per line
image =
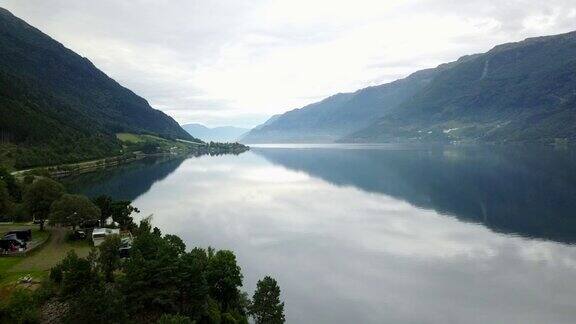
<point x="529" y="191"/>
<point x="378" y="234"/>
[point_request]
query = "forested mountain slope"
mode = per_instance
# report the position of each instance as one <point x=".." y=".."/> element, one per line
<point x="56" y="106"/>
<point x="517" y="92"/>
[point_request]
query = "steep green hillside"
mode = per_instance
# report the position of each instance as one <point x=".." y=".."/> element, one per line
<point x="56" y="106"/>
<point x="519" y="92"/>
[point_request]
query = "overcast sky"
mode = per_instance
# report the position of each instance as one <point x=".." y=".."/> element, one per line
<point x="236" y="62"/>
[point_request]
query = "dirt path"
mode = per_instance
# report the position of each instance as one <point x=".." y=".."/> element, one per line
<point x="52" y="253"/>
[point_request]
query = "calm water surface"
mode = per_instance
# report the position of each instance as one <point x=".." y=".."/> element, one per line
<point x="376" y="233"/>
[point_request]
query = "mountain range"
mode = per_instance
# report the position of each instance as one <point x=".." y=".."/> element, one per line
<point x="516" y="92"/>
<point x="56" y="106"/>
<point x="228" y="134"/>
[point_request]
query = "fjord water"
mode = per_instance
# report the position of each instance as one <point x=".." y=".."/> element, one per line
<point x="378" y="233"/>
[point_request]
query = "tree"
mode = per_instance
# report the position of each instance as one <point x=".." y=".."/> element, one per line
<point x="151" y="282"/>
<point x="4" y="200"/>
<point x="97" y="304"/>
<point x="109" y="257"/>
<point x="176" y="244"/>
<point x="193" y="285"/>
<point x="20" y="308"/>
<point x="121" y="213"/>
<point x="224" y="278"/>
<point x="174" y="319"/>
<point x="74" y="274"/>
<point x="104" y="202"/>
<point x="266" y="307"/>
<point x="40" y="196"/>
<point x="73" y="210"/>
<point x="11" y="185"/>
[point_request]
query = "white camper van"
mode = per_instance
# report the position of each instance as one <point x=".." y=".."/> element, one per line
<point x="99" y="234"/>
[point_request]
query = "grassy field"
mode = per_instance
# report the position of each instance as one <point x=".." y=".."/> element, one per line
<point x="134" y="142"/>
<point x="142" y="138"/>
<point x="38" y="263"/>
<point x="131" y="138"/>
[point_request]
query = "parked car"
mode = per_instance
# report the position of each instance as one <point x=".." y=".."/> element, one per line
<point x="23" y="235"/>
<point x="78" y="235"/>
<point x="10" y="237"/>
<point x="8" y="244"/>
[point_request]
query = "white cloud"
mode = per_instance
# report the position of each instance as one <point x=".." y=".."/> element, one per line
<point x="238" y="62"/>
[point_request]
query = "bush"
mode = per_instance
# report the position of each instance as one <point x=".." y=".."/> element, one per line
<point x="44" y="292"/>
<point x="96" y="305"/>
<point x="75" y="274"/>
<point x="109" y="257"/>
<point x="20" y="309"/>
<point x="56" y="274"/>
<point x="174" y="319"/>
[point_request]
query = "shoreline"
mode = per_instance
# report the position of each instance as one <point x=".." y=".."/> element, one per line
<point x="68" y="169"/>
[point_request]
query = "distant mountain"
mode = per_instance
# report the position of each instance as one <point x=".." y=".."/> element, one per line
<point x="518" y="92"/>
<point x="56" y="106"/>
<point x="338" y="115"/>
<point x="215" y="134"/>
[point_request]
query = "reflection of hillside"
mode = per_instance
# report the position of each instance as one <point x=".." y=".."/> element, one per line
<point x="125" y="182"/>
<point x="521" y="191"/>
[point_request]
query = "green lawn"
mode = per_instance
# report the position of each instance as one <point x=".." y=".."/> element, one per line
<point x="38" y="263"/>
<point x="139" y="138"/>
<point x="127" y="137"/>
<point x="133" y="142"/>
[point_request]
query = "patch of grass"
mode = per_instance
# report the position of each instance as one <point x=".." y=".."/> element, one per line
<point x="5" y="227"/>
<point x="153" y="138"/>
<point x="39" y="235"/>
<point x="131" y="138"/>
<point x="150" y="144"/>
<point x="7" y="263"/>
<point x="38" y="263"/>
<point x="52" y="253"/>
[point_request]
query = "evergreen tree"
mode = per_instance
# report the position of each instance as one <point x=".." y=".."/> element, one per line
<point x="109" y="257"/>
<point x="224" y="278"/>
<point x="121" y="213"/>
<point x="11" y="185"/>
<point x="151" y="281"/>
<point x="74" y="274"/>
<point x="104" y="202"/>
<point x="97" y="305"/>
<point x="193" y="284"/>
<point x="4" y="201"/>
<point x="174" y="319"/>
<point x="266" y="307"/>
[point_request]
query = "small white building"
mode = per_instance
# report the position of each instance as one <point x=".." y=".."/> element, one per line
<point x="99" y="234"/>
